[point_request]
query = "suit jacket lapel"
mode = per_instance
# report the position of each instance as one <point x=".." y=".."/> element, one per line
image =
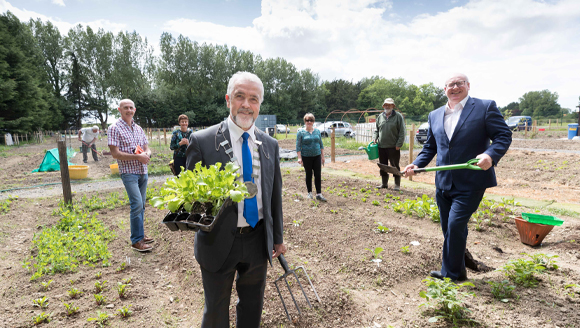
<point x="264" y="162"/>
<point x="469" y="106"/>
<point x="441" y="117"/>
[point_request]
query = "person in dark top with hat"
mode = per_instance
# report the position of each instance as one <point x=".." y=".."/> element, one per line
<point x="389" y="135"/>
<point x="179" y="143"/>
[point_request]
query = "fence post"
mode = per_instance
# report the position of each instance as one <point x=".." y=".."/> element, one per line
<point x="165" y="136"/>
<point x="411" y="145"/>
<point x="287" y="128"/>
<point x="332" y="142"/>
<point x="526" y="129"/>
<point x="549" y="124"/>
<point x="64" y="174"/>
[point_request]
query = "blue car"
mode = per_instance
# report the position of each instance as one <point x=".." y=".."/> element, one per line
<point x="518" y="123"/>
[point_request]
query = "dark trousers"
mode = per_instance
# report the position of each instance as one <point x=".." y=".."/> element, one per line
<point x="178" y="162"/>
<point x="249" y="259"/>
<point x="455" y="209"/>
<point x="93" y="151"/>
<point x="313" y="164"/>
<point x="390" y="155"/>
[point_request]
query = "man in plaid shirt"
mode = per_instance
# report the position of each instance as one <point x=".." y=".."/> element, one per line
<point x="129" y="146"/>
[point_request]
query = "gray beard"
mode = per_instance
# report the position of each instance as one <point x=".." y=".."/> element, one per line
<point x="388" y="111"/>
<point x="243" y="124"/>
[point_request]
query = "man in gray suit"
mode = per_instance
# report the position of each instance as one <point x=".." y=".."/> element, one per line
<point x="248" y="234"/>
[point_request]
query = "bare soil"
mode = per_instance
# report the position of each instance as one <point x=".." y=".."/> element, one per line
<point x="328" y="239"/>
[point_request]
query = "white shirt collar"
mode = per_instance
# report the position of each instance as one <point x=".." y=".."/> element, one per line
<point x="460" y="105"/>
<point x="236" y="132"/>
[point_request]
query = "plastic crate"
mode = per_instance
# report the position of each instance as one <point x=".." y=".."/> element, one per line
<point x="542" y="219"/>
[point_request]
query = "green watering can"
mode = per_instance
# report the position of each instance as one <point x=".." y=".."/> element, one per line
<point x="372" y="150"/>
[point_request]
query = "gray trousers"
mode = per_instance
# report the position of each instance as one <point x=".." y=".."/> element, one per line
<point x="93" y="151"/>
<point x="248" y="262"/>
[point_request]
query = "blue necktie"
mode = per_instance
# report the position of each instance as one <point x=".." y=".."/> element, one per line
<point x="250" y="205"/>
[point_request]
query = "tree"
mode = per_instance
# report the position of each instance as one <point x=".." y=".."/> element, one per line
<point x="24" y="94"/>
<point x="540" y="104"/>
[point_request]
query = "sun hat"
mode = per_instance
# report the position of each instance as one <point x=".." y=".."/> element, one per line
<point x="389" y="101"/>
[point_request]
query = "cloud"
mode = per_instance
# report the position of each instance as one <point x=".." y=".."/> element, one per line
<point x="58" y="2"/>
<point x="25" y="15"/>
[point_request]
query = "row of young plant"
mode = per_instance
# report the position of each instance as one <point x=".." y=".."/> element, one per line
<point x="101" y="319"/>
<point x="6" y="203"/>
<point x="447" y="300"/>
<point x="78" y="238"/>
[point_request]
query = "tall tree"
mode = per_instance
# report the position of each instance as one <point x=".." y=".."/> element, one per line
<point x="540" y="104"/>
<point x="24" y="95"/>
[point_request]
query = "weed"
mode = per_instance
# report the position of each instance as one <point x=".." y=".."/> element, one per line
<point x="41" y="318"/>
<point x="41" y="302"/>
<point x="101" y="320"/>
<point x="444" y="296"/>
<point x="122" y="289"/>
<point x="74" y="293"/>
<point x="71" y="309"/>
<point x="100" y="299"/>
<point x="502" y="290"/>
<point x="100" y="286"/>
<point x="124" y="312"/>
<point x="405" y="250"/>
<point x="5" y="204"/>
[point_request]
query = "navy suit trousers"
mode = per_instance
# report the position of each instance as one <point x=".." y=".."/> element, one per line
<point x="455" y="209"/>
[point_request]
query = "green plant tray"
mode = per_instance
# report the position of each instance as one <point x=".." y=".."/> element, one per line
<point x="542" y="219"/>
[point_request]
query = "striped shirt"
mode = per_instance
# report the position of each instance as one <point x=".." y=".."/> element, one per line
<point x="127" y="138"/>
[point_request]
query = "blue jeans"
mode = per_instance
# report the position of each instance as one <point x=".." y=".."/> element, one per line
<point x="136" y="186"/>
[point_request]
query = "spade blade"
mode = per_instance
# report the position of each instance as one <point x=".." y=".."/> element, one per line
<point x="390" y="169"/>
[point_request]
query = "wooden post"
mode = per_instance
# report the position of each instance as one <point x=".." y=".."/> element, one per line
<point x="332" y="143"/>
<point x="549" y="124"/>
<point x="411" y="145"/>
<point x="159" y="135"/>
<point x="165" y="136"/>
<point x="526" y="129"/>
<point x="287" y="129"/>
<point x="535" y="126"/>
<point x="64" y="174"/>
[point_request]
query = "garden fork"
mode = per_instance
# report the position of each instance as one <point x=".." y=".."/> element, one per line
<point x="287" y="272"/>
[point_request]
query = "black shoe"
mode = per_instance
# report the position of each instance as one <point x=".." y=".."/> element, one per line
<point x="382" y="187"/>
<point x="438" y="275"/>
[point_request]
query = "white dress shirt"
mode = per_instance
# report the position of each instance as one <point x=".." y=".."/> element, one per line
<point x="452" y="117"/>
<point x="237" y="141"/>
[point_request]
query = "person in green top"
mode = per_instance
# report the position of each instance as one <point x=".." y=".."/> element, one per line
<point x="389" y="135"/>
<point x="179" y="143"/>
<point x="310" y="152"/>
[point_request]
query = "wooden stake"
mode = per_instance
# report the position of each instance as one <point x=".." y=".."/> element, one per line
<point x="165" y="136"/>
<point x="159" y="135"/>
<point x="411" y="145"/>
<point x="332" y="143"/>
<point x="64" y="174"/>
<point x="287" y="131"/>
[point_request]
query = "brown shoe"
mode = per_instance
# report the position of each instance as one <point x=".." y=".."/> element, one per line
<point x="147" y="240"/>
<point x="140" y="246"/>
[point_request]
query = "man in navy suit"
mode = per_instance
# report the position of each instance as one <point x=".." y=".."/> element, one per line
<point x="459" y="131"/>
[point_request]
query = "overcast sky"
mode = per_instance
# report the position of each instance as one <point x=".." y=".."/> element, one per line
<point x="506" y="47"/>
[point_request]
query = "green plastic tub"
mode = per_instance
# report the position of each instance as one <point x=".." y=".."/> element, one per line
<point x="542" y="219"/>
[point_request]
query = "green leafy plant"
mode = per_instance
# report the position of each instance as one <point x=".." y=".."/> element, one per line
<point x="381" y="229"/>
<point x="445" y="297"/>
<point x="41" y="302"/>
<point x="121" y="267"/>
<point x="375" y="202"/>
<point x="297" y="223"/>
<point x="98" y="275"/>
<point x="46" y="285"/>
<point x="78" y="238"/>
<point x="101" y="320"/>
<point x="100" y="286"/>
<point x="124" y="312"/>
<point x="41" y="318"/>
<point x="545" y="260"/>
<point x="100" y="299"/>
<point x="122" y="289"/>
<point x="127" y="280"/>
<point x="71" y="309"/>
<point x="405" y="250"/>
<point x="502" y="290"/>
<point x="522" y="271"/>
<point x="376" y="252"/>
<point x="201" y="189"/>
<point x="74" y="293"/>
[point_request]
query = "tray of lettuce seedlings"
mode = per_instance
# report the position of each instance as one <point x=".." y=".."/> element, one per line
<point x="196" y="199"/>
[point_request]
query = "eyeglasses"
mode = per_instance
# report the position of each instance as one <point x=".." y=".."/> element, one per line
<point x="459" y="84"/>
<point x="309" y="120"/>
